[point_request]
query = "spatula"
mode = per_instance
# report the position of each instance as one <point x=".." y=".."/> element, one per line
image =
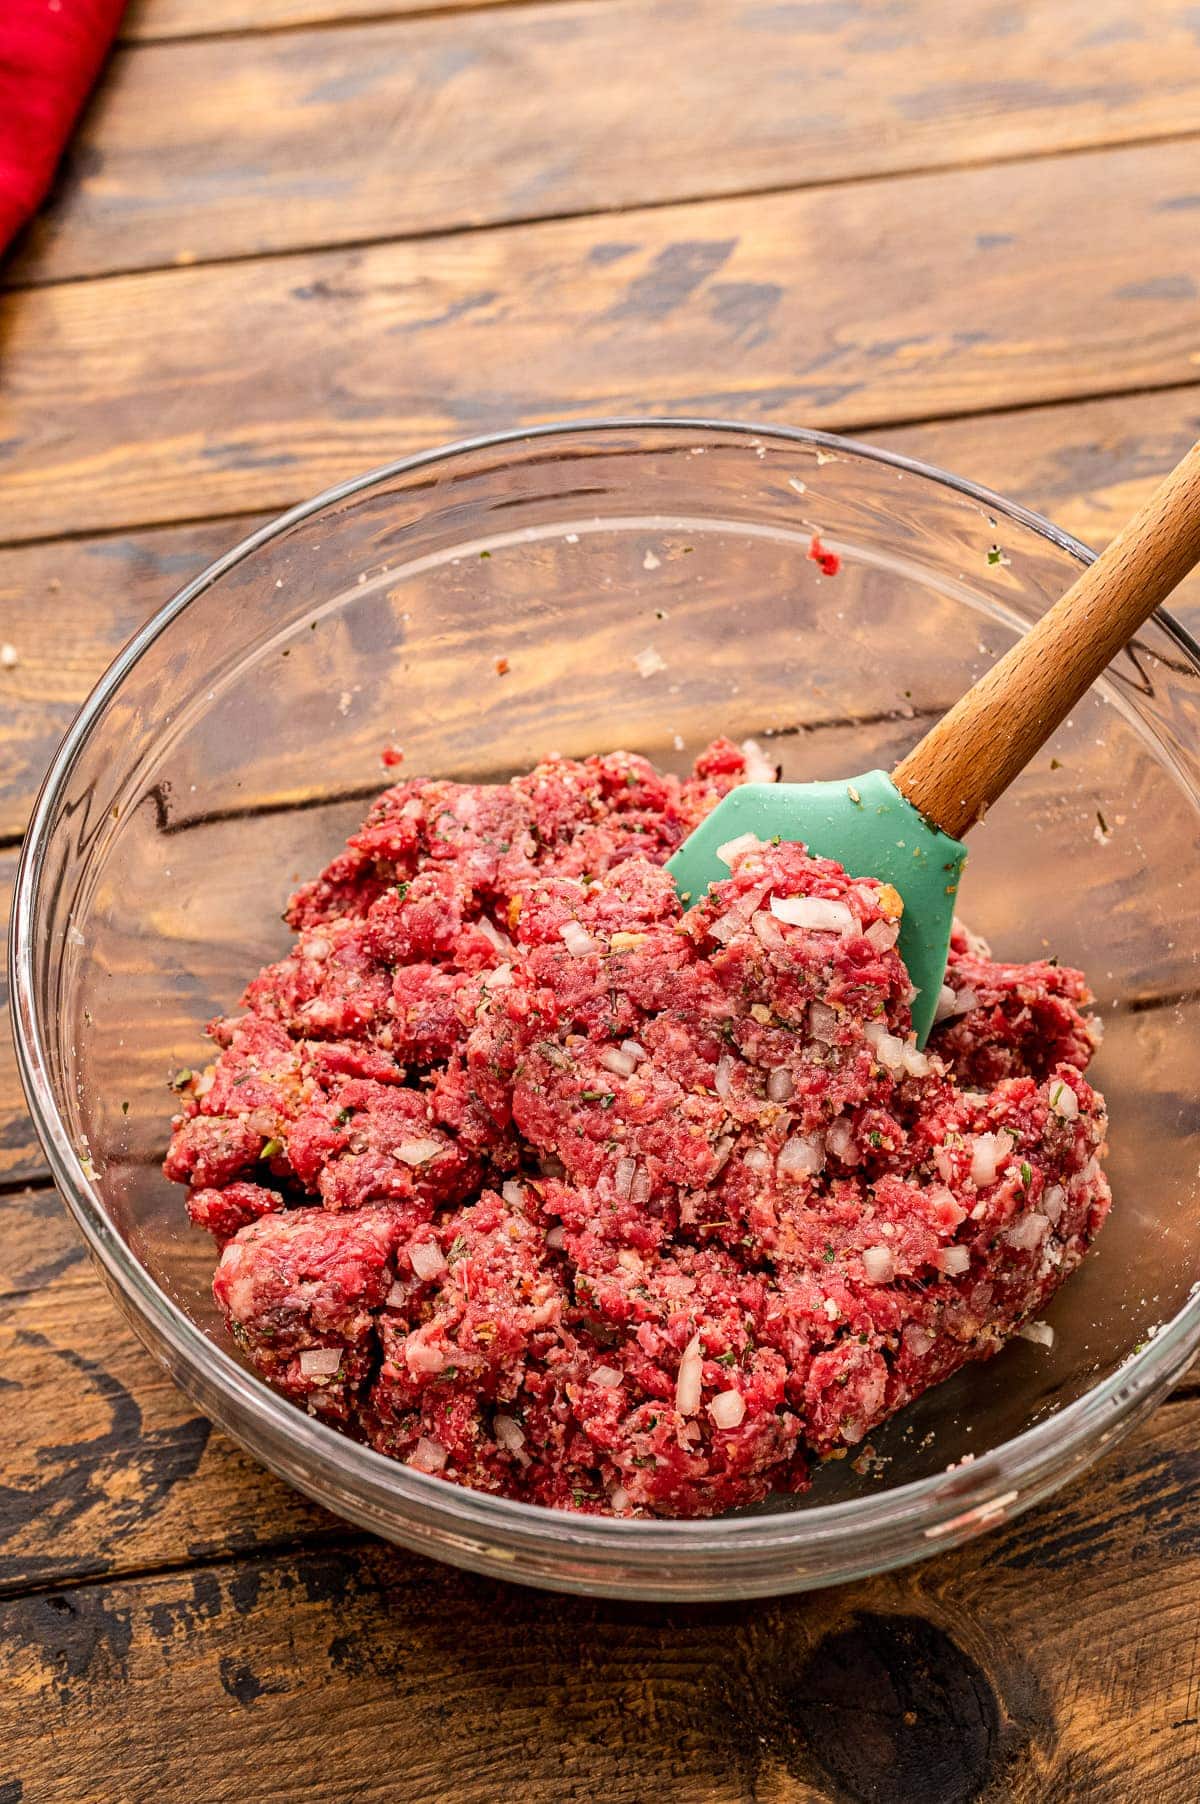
<point x="907" y="828"/>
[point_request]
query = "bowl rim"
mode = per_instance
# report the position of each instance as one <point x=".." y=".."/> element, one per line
<point x="944" y="1507"/>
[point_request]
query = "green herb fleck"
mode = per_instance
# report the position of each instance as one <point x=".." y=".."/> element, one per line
<point x="727" y="1359"/>
<point x="182" y="1078"/>
<point x="124" y="1108"/>
<point x="875" y="1137"/>
<point x="343" y="1116"/>
<point x="458" y="1247"/>
<point x="1056" y="764"/>
<point x="402" y="890"/>
<point x="272" y="1149"/>
<point x="1026" y="1174"/>
<point x="484" y="554"/>
<point x="829" y="1255"/>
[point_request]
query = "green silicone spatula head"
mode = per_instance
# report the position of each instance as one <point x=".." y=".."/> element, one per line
<point x="868" y="826"/>
<point x="906" y="829"/>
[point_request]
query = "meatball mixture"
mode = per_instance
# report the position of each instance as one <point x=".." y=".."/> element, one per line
<point x="534" y="1181"/>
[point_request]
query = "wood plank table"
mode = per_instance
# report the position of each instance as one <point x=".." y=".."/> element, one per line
<point x="295" y="238"/>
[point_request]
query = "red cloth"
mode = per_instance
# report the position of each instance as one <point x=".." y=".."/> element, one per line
<point x="50" y="54"/>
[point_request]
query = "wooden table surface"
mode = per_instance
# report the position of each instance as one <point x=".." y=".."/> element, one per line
<point x="296" y="238"/>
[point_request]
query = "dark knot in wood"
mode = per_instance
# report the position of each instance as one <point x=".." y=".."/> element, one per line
<point x="896" y="1713"/>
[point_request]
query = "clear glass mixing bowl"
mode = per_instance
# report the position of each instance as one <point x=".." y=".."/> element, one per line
<point x="236" y="740"/>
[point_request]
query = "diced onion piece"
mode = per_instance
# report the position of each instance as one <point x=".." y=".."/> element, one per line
<point x="945" y="1004"/>
<point x="768" y="930"/>
<point x="779" y="1085"/>
<point x="887" y="1048"/>
<point x="641" y="1186"/>
<point x="724" y="928"/>
<point x="732" y="850"/>
<point x="1054" y="1201"/>
<point x="512" y="1193"/>
<point x="801" y="1157"/>
<point x="427" y="1455"/>
<point x="954" y="1261"/>
<point x="759" y="768"/>
<point x="756" y="1159"/>
<point x="1064" y="1101"/>
<point x="577" y="940"/>
<point x="499" y="940"/>
<point x="556" y="1237"/>
<point x="622" y="1063"/>
<point x="320" y="1362"/>
<point x="721" y="1152"/>
<point x="728" y="1409"/>
<point x="635" y="1051"/>
<point x="882" y="935"/>
<point x="421" y="1358"/>
<point x="914" y="1060"/>
<point x="917" y="1341"/>
<point x="1027" y="1232"/>
<point x="878" y="1264"/>
<point x="425" y="1257"/>
<point x="397" y="1296"/>
<point x="986" y="1155"/>
<point x="647" y="662"/>
<point x="822" y="1022"/>
<point x="607" y="1377"/>
<point x="839" y="1138"/>
<point x="689" y="1377"/>
<point x="1040" y="1333"/>
<point x="723" y="1076"/>
<point x="818" y="913"/>
<point x="618" y="1497"/>
<point x="509" y="1433"/>
<point x="417" y="1152"/>
<point x="499" y="978"/>
<point x="623" y="1176"/>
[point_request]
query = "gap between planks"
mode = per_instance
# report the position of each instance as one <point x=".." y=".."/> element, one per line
<point x="400" y="15"/>
<point x="851" y="430"/>
<point x="516" y="222"/>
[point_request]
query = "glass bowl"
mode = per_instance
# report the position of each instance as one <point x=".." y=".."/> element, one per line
<point x="236" y="740"/>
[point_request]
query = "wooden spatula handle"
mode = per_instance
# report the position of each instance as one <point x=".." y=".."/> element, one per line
<point x="973" y="753"/>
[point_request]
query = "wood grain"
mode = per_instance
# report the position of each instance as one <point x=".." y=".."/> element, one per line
<point x="356" y="1671"/>
<point x="413" y="126"/>
<point x="112" y="1470"/>
<point x="152" y="21"/>
<point x="297" y="371"/>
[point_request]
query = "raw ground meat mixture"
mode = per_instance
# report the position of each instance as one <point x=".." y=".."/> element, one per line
<point x="529" y="1179"/>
